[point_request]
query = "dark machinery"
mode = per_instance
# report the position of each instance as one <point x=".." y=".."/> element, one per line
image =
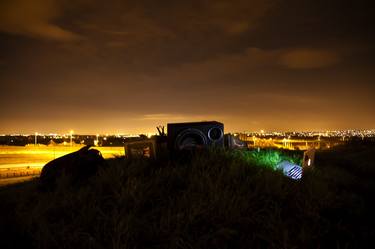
<point x="184" y="137"/>
<point x="195" y="135"/>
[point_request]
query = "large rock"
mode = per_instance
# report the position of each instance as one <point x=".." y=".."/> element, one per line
<point x="78" y="166"/>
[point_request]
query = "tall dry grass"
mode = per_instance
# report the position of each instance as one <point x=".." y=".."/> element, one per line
<point x="209" y="200"/>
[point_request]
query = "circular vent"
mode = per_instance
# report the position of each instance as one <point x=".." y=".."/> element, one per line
<point x="190" y="139"/>
<point x="215" y="133"/>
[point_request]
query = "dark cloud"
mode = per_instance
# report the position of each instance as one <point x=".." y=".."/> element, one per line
<point x="299" y="64"/>
<point x="33" y="18"/>
<point x="308" y="58"/>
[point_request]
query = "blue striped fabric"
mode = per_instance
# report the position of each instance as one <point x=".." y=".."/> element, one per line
<point x="295" y="173"/>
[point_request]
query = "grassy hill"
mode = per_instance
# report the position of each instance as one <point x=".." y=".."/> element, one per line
<point x="219" y="199"/>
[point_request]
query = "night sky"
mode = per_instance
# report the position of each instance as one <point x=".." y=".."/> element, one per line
<point x="126" y="66"/>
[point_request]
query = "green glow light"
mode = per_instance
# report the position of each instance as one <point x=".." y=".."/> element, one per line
<point x="269" y="158"/>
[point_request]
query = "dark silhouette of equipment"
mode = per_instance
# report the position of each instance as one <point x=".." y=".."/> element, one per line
<point x="154" y="147"/>
<point x="308" y="158"/>
<point x="183" y="137"/>
<point x="143" y="148"/>
<point x="195" y="135"/>
<point x="79" y="166"/>
<point x="161" y="131"/>
<point x="233" y="142"/>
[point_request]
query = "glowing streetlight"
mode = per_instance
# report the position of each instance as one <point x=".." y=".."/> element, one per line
<point x="96" y="142"/>
<point x="71" y="137"/>
<point x="284" y="142"/>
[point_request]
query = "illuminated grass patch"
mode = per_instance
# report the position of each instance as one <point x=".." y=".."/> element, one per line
<point x="269" y="158"/>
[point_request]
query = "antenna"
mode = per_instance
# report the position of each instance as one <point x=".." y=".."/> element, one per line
<point x="161" y="131"/>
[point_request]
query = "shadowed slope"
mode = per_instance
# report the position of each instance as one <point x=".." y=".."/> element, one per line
<point x="216" y="200"/>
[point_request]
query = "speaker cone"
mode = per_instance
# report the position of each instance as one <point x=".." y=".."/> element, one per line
<point x="215" y="133"/>
<point x="190" y="139"/>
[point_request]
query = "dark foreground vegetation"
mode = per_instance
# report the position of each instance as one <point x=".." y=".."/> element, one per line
<point x="216" y="200"/>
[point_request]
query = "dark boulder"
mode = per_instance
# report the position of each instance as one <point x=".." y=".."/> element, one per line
<point x="77" y="166"/>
